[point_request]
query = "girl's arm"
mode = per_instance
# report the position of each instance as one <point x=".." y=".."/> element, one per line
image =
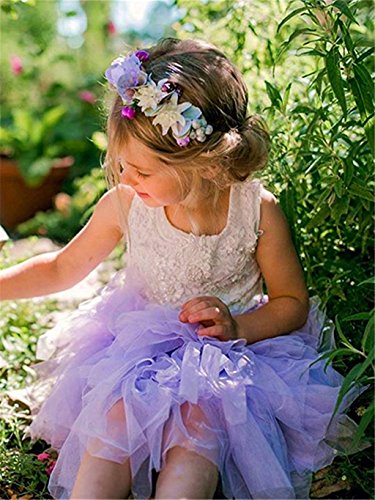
<point x="288" y="304"/>
<point x="55" y="271"/>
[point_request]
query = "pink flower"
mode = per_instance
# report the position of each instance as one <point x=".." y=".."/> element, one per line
<point x="87" y="96"/>
<point x="43" y="456"/>
<point x="16" y="65"/>
<point x="128" y="112"/>
<point x="111" y="28"/>
<point x="51" y="466"/>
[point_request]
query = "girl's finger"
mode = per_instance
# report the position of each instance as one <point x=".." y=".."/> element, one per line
<point x="196" y="300"/>
<point x="212" y="331"/>
<point x="209" y="313"/>
<point x="196" y="305"/>
<point x="200" y="306"/>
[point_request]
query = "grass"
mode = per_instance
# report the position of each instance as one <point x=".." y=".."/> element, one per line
<point x="21" y="473"/>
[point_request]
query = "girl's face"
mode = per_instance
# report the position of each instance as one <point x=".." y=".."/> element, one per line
<point x="149" y="176"/>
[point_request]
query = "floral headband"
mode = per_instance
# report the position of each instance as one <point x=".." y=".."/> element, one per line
<point x="159" y="100"/>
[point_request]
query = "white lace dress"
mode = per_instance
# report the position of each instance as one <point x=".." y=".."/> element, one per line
<point x="130" y="381"/>
<point x="178" y="266"/>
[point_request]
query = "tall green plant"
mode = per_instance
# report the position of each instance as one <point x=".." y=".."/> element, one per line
<point x="308" y="65"/>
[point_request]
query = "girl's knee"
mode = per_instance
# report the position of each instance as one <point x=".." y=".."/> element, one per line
<point x="186" y="474"/>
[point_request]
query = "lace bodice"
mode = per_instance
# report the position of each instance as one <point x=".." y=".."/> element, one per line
<point x="177" y="266"/>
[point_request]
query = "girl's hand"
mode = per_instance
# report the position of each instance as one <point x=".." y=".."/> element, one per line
<point x="213" y="315"/>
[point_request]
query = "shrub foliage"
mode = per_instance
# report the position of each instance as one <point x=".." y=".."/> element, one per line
<point x="308" y="65"/>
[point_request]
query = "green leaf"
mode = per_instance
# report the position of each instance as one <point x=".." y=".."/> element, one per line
<point x="347" y="384"/>
<point x="53" y="116"/>
<point x="367" y="53"/>
<point x="357" y="94"/>
<point x="36" y="134"/>
<point x="23" y="123"/>
<point x="286" y="97"/>
<point x="347" y="38"/>
<point x="339" y="188"/>
<point x="343" y="7"/>
<point x="359" y="190"/>
<point x="288" y="204"/>
<point x="292" y="14"/>
<point x="368" y="336"/>
<point x="313" y="52"/>
<point x="366" y="86"/>
<point x="273" y="94"/>
<point x="319" y="217"/>
<point x="34" y="171"/>
<point x="366" y="419"/>
<point x="334" y="77"/>
<point x="343" y="339"/>
<point x="357" y="317"/>
<point x="369" y="281"/>
<point x="370" y="134"/>
<point x="5" y="137"/>
<point x="349" y="171"/>
<point x="295" y="34"/>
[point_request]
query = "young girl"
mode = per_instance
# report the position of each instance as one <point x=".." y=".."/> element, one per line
<point x="183" y="366"/>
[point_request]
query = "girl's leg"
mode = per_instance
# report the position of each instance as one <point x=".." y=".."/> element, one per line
<point x="186" y="475"/>
<point x="99" y="478"/>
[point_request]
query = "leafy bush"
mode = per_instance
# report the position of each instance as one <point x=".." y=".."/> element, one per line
<point x="22" y="475"/>
<point x="308" y="70"/>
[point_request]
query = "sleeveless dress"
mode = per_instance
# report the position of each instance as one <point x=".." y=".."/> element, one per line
<point x="130" y="380"/>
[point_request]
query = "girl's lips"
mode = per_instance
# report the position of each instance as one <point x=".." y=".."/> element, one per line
<point x="143" y="195"/>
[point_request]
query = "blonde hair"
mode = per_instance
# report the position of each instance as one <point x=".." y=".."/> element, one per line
<point x="239" y="143"/>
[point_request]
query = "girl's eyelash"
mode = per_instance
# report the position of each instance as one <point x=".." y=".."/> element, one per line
<point x="142" y="175"/>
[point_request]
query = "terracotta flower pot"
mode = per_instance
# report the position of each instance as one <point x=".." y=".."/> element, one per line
<point x="18" y="201"/>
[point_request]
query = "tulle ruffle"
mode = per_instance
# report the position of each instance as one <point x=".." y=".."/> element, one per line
<point x="126" y="379"/>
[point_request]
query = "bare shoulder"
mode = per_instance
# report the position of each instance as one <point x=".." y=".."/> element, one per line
<point x="115" y="204"/>
<point x="271" y="214"/>
<point x="122" y="193"/>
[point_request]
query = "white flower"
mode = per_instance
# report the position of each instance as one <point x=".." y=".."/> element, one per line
<point x="171" y="115"/>
<point x="149" y="96"/>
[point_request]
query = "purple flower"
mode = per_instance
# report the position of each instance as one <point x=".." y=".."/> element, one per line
<point x="128" y="112"/>
<point x="125" y="73"/>
<point x="142" y="55"/>
<point x="184" y="141"/>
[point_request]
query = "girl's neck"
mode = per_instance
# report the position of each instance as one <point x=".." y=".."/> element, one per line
<point x="203" y="217"/>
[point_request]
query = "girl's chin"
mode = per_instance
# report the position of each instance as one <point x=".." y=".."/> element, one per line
<point x="150" y="202"/>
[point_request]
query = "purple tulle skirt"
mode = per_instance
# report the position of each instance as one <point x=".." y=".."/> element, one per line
<point x="126" y="379"/>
